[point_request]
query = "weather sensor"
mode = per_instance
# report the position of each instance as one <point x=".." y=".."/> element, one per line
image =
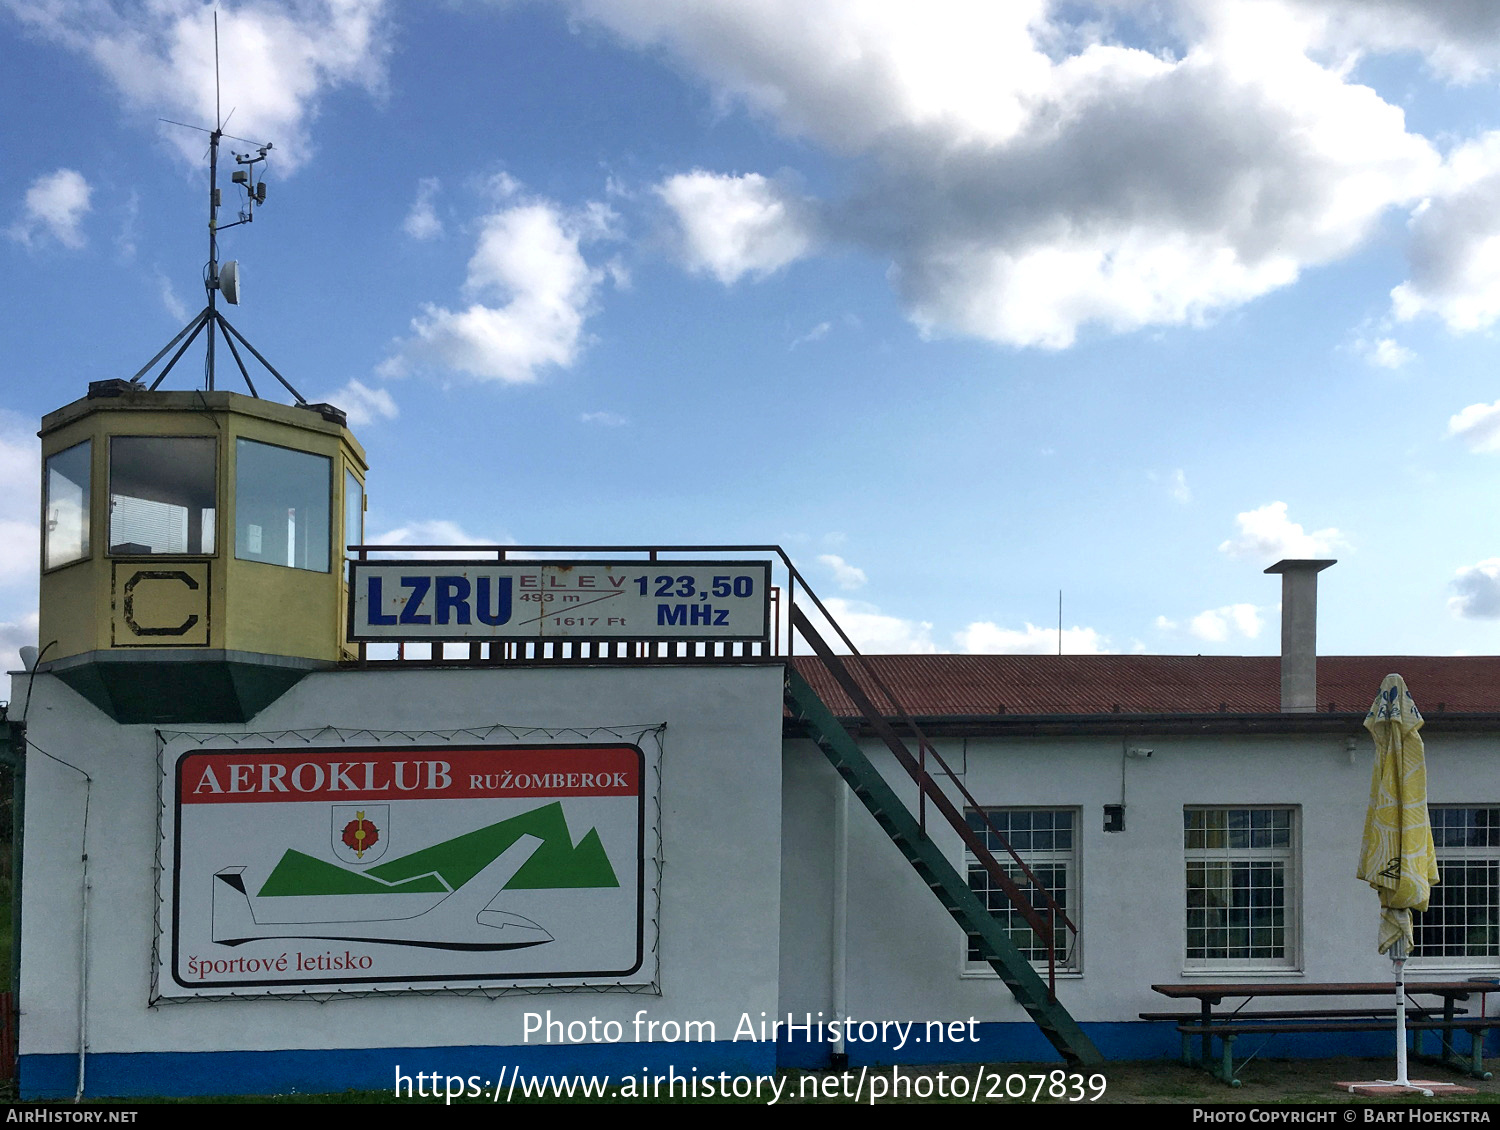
<point x="224" y="278"/>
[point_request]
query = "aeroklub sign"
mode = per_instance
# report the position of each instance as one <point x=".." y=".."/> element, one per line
<point x="404" y="867"/>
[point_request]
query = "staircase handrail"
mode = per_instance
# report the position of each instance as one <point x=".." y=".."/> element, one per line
<point x="927" y="785"/>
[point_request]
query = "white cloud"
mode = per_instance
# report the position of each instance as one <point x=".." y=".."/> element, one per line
<point x="363" y="404"/>
<point x="276" y="59"/>
<point x="56" y="204"/>
<point x="1454" y="250"/>
<point x="422" y="222"/>
<point x="1217" y="624"/>
<point x="604" y="419"/>
<point x="618" y="272"/>
<point x="436" y="531"/>
<point x="20" y="472"/>
<point x="875" y="633"/>
<point x="532" y="291"/>
<point x="130" y="218"/>
<point x="432" y="531"/>
<point x="986" y="638"/>
<point x="1267" y="533"/>
<point x="817" y="333"/>
<point x="1459" y="40"/>
<point x="174" y="305"/>
<point x="1028" y="177"/>
<point x="20" y="534"/>
<point x="502" y="186"/>
<point x="1384" y="353"/>
<point x="1177" y="484"/>
<point x="845" y="575"/>
<point x="15" y="635"/>
<point x="1476" y="591"/>
<point x="732" y="226"/>
<point x="1478" y="426"/>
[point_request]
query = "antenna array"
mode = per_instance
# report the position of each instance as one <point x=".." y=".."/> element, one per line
<point x="222" y="278"/>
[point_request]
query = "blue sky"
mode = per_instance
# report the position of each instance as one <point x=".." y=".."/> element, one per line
<point x="963" y="303"/>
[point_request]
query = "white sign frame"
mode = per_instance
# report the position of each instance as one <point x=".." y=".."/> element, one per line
<point x="555" y="843"/>
<point x="475" y="600"/>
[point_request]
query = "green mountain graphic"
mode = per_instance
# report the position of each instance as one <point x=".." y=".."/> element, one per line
<point x="557" y="863"/>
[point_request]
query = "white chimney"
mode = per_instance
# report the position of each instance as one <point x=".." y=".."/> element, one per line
<point x="1299" y="633"/>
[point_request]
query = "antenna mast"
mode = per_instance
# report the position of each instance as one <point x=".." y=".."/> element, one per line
<point x="223" y="279"/>
<point x="211" y="282"/>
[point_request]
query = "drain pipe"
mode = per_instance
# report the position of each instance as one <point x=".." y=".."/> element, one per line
<point x="83" y="953"/>
<point x="83" y="927"/>
<point x="840" y="919"/>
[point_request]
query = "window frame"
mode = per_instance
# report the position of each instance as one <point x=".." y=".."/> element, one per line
<point x="1290" y="858"/>
<point x="86" y="530"/>
<point x="1069" y="961"/>
<point x="352" y="482"/>
<point x="330" y="501"/>
<point x="1456" y="853"/>
<point x="110" y="494"/>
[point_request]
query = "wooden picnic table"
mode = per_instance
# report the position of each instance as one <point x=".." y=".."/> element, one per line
<point x="1237" y="1021"/>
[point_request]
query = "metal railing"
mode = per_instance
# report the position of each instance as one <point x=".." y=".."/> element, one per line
<point x="576" y="649"/>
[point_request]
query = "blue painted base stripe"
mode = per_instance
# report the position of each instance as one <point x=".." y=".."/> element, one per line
<point x="141" y="1074"/>
<point x="985" y="1043"/>
<point x="1024" y="1043"/>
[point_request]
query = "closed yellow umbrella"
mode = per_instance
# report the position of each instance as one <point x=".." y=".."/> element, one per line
<point x="1397" y="856"/>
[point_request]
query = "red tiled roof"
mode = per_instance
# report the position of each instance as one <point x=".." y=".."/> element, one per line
<point x="930" y="685"/>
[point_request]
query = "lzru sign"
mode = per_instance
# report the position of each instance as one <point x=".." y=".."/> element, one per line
<point x="528" y="600"/>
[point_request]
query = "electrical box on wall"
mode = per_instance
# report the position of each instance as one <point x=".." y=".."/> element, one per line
<point x="1114" y="817"/>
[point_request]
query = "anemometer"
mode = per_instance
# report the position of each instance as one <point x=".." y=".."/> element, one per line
<point x="222" y="278"/>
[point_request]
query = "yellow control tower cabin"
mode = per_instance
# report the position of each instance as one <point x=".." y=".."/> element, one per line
<point x="193" y="541"/>
<point x="192" y="548"/>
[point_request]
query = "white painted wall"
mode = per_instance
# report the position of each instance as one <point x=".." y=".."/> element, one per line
<point x="906" y="954"/>
<point x="748" y="826"/>
<point x="721" y="885"/>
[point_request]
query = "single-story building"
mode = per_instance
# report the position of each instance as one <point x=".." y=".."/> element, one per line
<point x="293" y="822"/>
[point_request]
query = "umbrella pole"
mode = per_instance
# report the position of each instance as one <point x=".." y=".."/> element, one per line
<point x="1398" y="959"/>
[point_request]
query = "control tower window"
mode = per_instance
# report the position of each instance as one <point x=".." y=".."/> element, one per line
<point x="282" y="505"/>
<point x="354" y="513"/>
<point x="66" y="506"/>
<point x="161" y="495"/>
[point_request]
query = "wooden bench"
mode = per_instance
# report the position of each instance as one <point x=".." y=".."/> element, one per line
<point x="1372" y="1013"/>
<point x="1445" y="1018"/>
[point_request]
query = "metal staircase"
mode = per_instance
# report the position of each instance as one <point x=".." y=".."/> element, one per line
<point x="909" y="834"/>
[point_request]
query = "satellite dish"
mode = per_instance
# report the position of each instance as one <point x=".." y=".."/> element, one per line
<point x="229" y="282"/>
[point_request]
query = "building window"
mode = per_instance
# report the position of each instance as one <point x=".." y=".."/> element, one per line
<point x="1046" y="839"/>
<point x="281" y="506"/>
<point x="1241" y="878"/>
<point x="65" y="530"/>
<point x="1462" y="922"/>
<point x="161" y="495"/>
